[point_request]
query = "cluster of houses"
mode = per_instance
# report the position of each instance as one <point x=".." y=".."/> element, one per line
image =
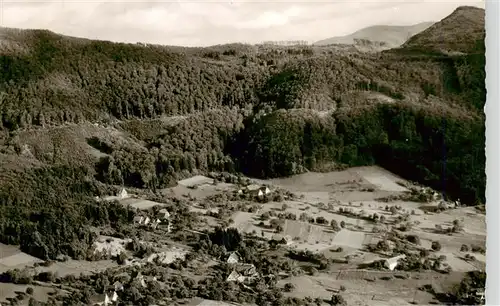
<point x="163" y="216"/>
<point x="110" y="296"/>
<point x="255" y="190"/>
<point x="241" y="272"/>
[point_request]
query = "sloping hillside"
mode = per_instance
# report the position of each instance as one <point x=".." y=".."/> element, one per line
<point x="186" y="109"/>
<point x="388" y="36"/>
<point x="78" y="115"/>
<point x="462" y="31"/>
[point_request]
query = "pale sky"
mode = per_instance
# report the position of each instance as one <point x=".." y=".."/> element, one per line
<point x="205" y="22"/>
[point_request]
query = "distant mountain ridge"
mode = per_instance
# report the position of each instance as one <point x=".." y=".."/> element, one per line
<point x="389" y="36"/>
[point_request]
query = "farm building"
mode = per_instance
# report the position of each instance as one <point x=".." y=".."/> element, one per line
<point x="154" y="224"/>
<point x="235" y="277"/>
<point x="141" y="220"/>
<point x="284" y="239"/>
<point x="163" y="214"/>
<point x="287" y="240"/>
<point x="123" y="194"/>
<point x="392" y="263"/>
<point x="105" y="299"/>
<point x="139" y="280"/>
<point x="247" y="270"/>
<point x="118" y="286"/>
<point x="242" y="273"/>
<point x="258" y="190"/>
<point x="233" y="258"/>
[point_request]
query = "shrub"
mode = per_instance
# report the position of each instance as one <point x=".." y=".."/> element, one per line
<point x="335" y="226"/>
<point x="413" y="239"/>
<point x="436" y="246"/>
<point x="29" y="290"/>
<point x="339" y="300"/>
<point x="289" y="287"/>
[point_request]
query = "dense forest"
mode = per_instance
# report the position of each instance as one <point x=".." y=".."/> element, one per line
<point x="75" y="113"/>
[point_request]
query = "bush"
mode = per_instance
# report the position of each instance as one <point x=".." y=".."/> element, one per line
<point x="339" y="300"/>
<point x="413" y="239"/>
<point x="289" y="287"/>
<point x="464" y="248"/>
<point x="436" y="246"/>
<point x="29" y="290"/>
<point x="335" y="225"/>
<point x="342" y="224"/>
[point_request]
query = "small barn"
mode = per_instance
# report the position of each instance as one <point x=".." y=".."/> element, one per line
<point x="235" y="277"/>
<point x="123" y="194"/>
<point x="234" y="258"/>
<point x="118" y="286"/>
<point x="138" y="219"/>
<point x="258" y="190"/>
<point x="141" y="220"/>
<point x="163" y="214"/>
<point x="392" y="263"/>
<point x="154" y="224"/>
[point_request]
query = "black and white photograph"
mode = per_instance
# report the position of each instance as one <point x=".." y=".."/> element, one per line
<point x="245" y="153"/>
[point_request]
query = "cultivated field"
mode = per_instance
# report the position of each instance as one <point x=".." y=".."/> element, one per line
<point x="11" y="258"/>
<point x="357" y="190"/>
<point x="337" y="214"/>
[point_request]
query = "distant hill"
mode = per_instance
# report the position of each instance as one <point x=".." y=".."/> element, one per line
<point x="389" y="36"/>
<point x="462" y="31"/>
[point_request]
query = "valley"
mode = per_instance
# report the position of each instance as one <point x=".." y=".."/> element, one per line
<point x="237" y="174"/>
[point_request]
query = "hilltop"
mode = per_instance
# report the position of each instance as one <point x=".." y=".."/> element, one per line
<point x="462" y="31"/>
<point x="387" y="36"/>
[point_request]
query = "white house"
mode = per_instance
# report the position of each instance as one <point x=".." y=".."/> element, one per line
<point x="107" y="300"/>
<point x="139" y="279"/>
<point x="123" y="194"/>
<point x="480" y="294"/>
<point x="392" y="263"/>
<point x="235" y="277"/>
<point x="163" y="214"/>
<point x="233" y="258"/>
<point x="155" y="223"/>
<point x="435" y="196"/>
<point x="101" y="299"/>
<point x="265" y="190"/>
<point x="288" y="240"/>
<point x="141" y="220"/>
<point x="114" y="297"/>
<point x="118" y="286"/>
<point x="138" y="219"/>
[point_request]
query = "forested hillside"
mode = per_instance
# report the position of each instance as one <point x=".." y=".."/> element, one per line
<point x="145" y="116"/>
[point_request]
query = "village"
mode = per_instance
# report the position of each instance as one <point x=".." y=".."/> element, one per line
<point x="337" y="232"/>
